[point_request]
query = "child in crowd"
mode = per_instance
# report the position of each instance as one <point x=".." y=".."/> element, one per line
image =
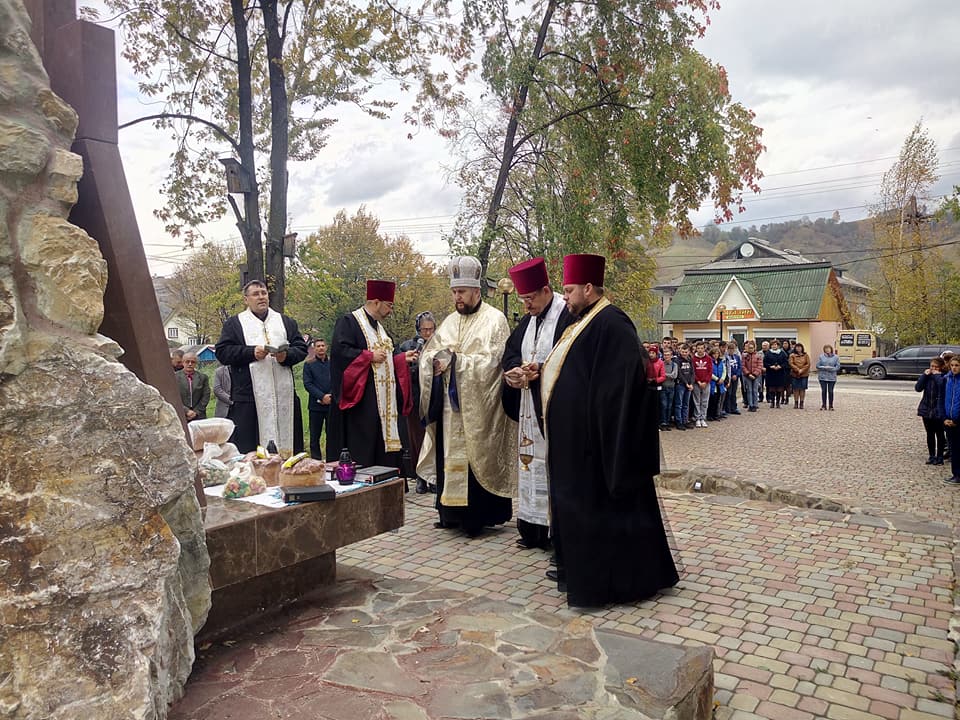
<point x="931" y="408"/>
<point x="951" y="415"/>
<point x="702" y="373"/>
<point x="683" y="388"/>
<point x="670" y="371"/>
<point x="828" y="365"/>
<point x="654" y="367"/>
<point x="718" y="380"/>
<point x="751" y="374"/>
<point x="761" y="388"/>
<point x="734" y="371"/>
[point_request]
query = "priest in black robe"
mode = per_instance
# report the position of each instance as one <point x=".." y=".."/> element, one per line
<point x="527" y="347"/>
<point x="603" y="448"/>
<point x="370" y="383"/>
<point x="261" y="346"/>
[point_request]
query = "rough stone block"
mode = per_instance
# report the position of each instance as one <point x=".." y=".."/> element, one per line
<point x="662" y="681"/>
<point x="60" y="115"/>
<point x="65" y="169"/>
<point x="68" y="272"/>
<point x="23" y="150"/>
<point x="93" y="459"/>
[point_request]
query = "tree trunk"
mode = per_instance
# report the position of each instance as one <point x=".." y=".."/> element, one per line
<point x="506" y="159"/>
<point x="251" y="200"/>
<point x="277" y="222"/>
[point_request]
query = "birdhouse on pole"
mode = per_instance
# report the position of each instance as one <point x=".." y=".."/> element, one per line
<point x="238" y="179"/>
<point x="290" y="245"/>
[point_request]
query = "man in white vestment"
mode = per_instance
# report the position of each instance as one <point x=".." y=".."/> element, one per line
<point x="470" y="444"/>
<point x="261" y="346"/>
<point x="528" y="346"/>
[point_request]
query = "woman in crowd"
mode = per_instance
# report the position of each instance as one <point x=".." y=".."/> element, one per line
<point x="799" y="374"/>
<point x="775" y="372"/>
<point x="931" y="408"/>
<point x="828" y="365"/>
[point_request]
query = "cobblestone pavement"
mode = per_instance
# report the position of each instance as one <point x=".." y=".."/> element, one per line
<point x="811" y="615"/>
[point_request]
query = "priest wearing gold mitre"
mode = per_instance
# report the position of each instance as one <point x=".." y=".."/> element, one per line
<point x="603" y="451"/>
<point x="370" y="383"/>
<point x="470" y="444"/>
<point x="528" y="346"/>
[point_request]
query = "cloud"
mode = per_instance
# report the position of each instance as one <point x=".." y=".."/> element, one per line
<point x="365" y="179"/>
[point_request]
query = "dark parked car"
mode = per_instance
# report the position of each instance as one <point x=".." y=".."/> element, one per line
<point x="910" y="361"/>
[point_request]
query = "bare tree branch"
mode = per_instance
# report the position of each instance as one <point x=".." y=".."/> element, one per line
<point x="183" y="116"/>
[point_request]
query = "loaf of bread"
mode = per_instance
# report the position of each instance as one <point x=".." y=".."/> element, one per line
<point x="305" y="472"/>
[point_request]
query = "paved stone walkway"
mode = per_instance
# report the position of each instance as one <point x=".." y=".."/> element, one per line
<point x="811" y="614"/>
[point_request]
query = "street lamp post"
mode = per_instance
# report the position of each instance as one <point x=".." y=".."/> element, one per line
<point x="505" y="286"/>
<point x="720" y="309"/>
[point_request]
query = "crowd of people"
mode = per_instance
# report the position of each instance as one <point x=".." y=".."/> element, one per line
<point x="709" y="380"/>
<point x="557" y="413"/>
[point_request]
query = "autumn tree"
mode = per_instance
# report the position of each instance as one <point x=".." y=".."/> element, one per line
<point x="611" y="129"/>
<point x="333" y="264"/>
<point x="258" y="81"/>
<point x="912" y="281"/>
<point x="204" y="289"/>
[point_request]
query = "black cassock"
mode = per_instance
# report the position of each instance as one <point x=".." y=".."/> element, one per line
<point x="357" y="428"/>
<point x="532" y="534"/>
<point x="604" y="452"/>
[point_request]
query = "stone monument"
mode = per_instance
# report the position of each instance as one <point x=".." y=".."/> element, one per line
<point x="103" y="563"/>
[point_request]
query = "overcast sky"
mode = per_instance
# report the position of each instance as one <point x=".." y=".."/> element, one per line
<point x="836" y="86"/>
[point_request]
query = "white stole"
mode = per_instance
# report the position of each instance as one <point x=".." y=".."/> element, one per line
<point x="384" y="380"/>
<point x="272" y="382"/>
<point x="534" y="500"/>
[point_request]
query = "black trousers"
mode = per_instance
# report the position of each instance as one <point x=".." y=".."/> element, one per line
<point x="935" y="436"/>
<point x="317" y="419"/>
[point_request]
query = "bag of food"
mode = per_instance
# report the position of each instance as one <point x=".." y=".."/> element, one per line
<point x="212" y="470"/>
<point x="243" y="482"/>
<point x="209" y="430"/>
<point x="229" y="454"/>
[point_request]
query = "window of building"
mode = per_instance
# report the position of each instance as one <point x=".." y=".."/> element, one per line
<point x="173" y="333"/>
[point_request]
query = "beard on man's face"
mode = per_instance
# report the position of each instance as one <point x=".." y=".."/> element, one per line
<point x="464" y="308"/>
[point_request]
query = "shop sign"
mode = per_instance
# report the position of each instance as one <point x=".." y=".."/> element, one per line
<point x="737" y="314"/>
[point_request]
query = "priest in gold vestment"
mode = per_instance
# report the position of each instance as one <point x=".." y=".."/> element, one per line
<point x="470" y="443"/>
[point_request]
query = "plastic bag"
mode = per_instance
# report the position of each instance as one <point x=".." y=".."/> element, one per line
<point x="243" y="482"/>
<point x="209" y="430"/>
<point x="212" y="470"/>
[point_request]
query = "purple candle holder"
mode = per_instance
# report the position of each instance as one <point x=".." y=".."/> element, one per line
<point x="346" y="472"/>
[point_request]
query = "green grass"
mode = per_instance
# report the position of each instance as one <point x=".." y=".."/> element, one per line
<point x="209" y="368"/>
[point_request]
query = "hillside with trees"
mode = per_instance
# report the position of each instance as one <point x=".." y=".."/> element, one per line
<point x="850" y="245"/>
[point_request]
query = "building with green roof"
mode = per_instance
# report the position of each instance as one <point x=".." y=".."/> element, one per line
<point x="757" y="292"/>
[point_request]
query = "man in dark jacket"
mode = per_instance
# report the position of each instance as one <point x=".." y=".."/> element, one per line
<point x="261" y="346"/>
<point x="316" y="381"/>
<point x="194" y="388"/>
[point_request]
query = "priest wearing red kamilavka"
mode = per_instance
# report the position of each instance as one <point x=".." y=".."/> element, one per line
<point x="603" y="452"/>
<point x="370" y="383"/>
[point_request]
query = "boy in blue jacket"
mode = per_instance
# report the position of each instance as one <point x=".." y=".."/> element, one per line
<point x="951" y="414"/>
